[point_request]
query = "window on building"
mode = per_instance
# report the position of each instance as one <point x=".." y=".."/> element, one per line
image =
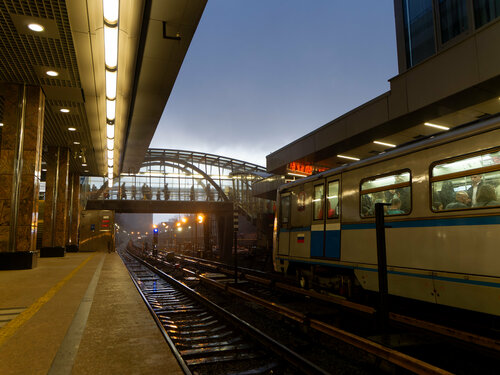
<point x="318" y="202"/>
<point x="470" y="182"/>
<point x="285" y="210"/>
<point x="419" y="30"/>
<point x="485" y="11"/>
<point x="393" y="188"/>
<point x="453" y="18"/>
<point x="332" y="200"/>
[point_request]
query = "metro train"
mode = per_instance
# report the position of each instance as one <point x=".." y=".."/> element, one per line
<point x="442" y="222"/>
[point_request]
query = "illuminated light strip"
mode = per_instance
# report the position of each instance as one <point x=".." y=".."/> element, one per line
<point x="384" y="144"/>
<point x="296" y="174"/>
<point x="347" y="157"/>
<point x="111" y="12"/>
<point x="436" y="126"/>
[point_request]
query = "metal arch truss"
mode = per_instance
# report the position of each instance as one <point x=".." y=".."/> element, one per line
<point x="231" y="179"/>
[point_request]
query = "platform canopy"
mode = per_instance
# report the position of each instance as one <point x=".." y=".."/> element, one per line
<point x="153" y="38"/>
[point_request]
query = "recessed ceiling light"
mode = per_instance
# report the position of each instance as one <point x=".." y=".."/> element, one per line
<point x="1" y="123"/>
<point x="347" y="157"/>
<point x="86" y="170"/>
<point x="84" y="164"/>
<point x="36" y="27"/>
<point x="72" y="129"/>
<point x="437" y="126"/>
<point x="44" y="170"/>
<point x="52" y="73"/>
<point x="76" y="143"/>
<point x="384" y="144"/>
<point x="64" y="110"/>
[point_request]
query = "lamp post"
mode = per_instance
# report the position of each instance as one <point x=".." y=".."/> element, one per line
<point x="199" y="219"/>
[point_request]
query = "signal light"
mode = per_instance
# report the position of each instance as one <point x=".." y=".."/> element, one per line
<point x="155" y="230"/>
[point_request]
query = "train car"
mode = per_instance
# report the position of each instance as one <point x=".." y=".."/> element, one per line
<point x="443" y="222"/>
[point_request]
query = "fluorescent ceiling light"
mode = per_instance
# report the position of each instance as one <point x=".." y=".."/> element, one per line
<point x="347" y="157"/>
<point x="384" y="144"/>
<point x="111" y="143"/>
<point x="110" y="109"/>
<point x="111" y="9"/>
<point x="36" y="27"/>
<point x="111" y="46"/>
<point x="110" y="131"/>
<point x="111" y="84"/>
<point x="52" y="73"/>
<point x="296" y="174"/>
<point x="72" y="129"/>
<point x="437" y="126"/>
<point x="110" y="162"/>
<point x="110" y="154"/>
<point x="64" y="110"/>
<point x="86" y="170"/>
<point x="110" y="170"/>
<point x="76" y="143"/>
<point x="84" y="164"/>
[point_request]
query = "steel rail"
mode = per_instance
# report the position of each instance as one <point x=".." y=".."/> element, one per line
<point x="282" y="351"/>
<point x="393" y="356"/>
<point x="466" y="337"/>
<point x="167" y="338"/>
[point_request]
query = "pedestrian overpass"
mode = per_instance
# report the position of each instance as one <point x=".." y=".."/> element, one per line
<point x="179" y="181"/>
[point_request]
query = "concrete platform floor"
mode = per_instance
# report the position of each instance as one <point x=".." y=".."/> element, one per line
<point x="79" y="314"/>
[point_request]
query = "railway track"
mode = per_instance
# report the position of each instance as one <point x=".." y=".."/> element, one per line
<point x="205" y="338"/>
<point x="261" y="278"/>
<point x="379" y="346"/>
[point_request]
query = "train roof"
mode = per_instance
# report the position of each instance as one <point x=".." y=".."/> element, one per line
<point x="458" y="132"/>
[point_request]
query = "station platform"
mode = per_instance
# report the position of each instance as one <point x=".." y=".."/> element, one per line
<point x="78" y="314"/>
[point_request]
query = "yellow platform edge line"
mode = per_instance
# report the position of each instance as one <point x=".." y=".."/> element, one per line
<point x="10" y="328"/>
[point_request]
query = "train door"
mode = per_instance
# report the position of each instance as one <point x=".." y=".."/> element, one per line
<point x="325" y="228"/>
<point x="318" y="221"/>
<point x="332" y="219"/>
<point x="284" y="224"/>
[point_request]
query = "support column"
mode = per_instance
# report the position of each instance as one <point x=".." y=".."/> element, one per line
<point x="56" y="199"/>
<point x="73" y="211"/>
<point x="20" y="164"/>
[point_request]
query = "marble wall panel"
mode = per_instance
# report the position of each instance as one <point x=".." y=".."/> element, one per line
<point x="60" y="213"/>
<point x="6" y="161"/>
<point x="23" y="238"/>
<point x="5" y="212"/>
<point x="10" y="94"/>
<point x="29" y="162"/>
<point x="6" y="186"/>
<point x="4" y="236"/>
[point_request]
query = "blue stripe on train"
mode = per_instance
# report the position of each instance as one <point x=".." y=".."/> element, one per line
<point x="332" y="248"/>
<point x="479" y="220"/>
<point x="422" y="276"/>
<point x="317" y="243"/>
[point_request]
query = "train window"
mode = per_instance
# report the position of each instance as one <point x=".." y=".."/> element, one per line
<point x="391" y="188"/>
<point x="318" y="202"/>
<point x="469" y="182"/>
<point x="332" y="200"/>
<point x="285" y="210"/>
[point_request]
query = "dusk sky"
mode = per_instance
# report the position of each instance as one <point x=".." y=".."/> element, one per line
<point x="262" y="73"/>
